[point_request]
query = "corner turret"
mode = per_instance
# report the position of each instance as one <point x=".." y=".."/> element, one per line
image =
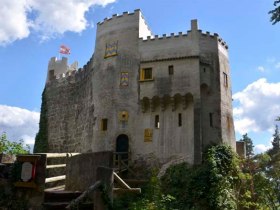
<point x="58" y="67"/>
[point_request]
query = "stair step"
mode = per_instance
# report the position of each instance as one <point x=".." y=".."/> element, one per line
<point x="61" y="196"/>
<point x="55" y="205"/>
<point x="57" y="188"/>
<point x="63" y="205"/>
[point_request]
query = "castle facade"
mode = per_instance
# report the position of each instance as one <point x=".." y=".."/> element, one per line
<point x="156" y="97"/>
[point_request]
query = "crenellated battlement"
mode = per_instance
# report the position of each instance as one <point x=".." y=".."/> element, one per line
<point x="72" y="73"/>
<point x="163" y="36"/>
<point x="206" y="34"/>
<point x="116" y="16"/>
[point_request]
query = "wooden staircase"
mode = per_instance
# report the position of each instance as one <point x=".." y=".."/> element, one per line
<point x="55" y="197"/>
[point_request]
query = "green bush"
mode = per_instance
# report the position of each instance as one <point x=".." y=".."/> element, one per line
<point x="12" y="147"/>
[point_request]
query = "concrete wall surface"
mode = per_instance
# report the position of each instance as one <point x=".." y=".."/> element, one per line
<point x="81" y="170"/>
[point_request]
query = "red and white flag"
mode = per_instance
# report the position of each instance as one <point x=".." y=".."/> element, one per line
<point x="64" y="50"/>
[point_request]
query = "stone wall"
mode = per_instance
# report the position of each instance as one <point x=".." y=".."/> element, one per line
<point x="78" y="102"/>
<point x="70" y="113"/>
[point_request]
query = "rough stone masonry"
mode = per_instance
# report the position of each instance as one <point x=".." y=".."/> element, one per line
<point x="159" y="98"/>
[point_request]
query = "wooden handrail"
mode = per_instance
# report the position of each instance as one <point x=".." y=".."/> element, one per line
<point x="84" y="194"/>
<point x="56" y="166"/>
<point x="120" y="181"/>
<point x="55" y="178"/>
<point x="58" y="155"/>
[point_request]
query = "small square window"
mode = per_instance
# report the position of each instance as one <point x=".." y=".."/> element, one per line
<point x="146" y="74"/>
<point x="157" y="121"/>
<point x="171" y="70"/>
<point x="104" y="124"/>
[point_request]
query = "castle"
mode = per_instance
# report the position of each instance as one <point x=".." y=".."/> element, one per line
<point x="156" y="97"/>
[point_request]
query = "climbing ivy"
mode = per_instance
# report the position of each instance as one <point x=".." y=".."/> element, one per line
<point x="41" y="139"/>
<point x="211" y="185"/>
<point x="223" y="171"/>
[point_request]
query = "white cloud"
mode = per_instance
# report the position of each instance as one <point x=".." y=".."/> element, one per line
<point x="49" y="18"/>
<point x="259" y="104"/>
<point x="13" y="22"/>
<point x="260" y="148"/>
<point x="277" y="65"/>
<point x="261" y="68"/>
<point x="19" y="123"/>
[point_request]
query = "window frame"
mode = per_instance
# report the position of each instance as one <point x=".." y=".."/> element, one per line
<point x="225" y="78"/>
<point x="145" y="75"/>
<point x="157" y="124"/>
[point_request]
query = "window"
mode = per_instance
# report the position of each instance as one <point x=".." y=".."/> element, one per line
<point x="211" y="119"/>
<point x="157" y="121"/>
<point x="170" y="70"/>
<point x="179" y="119"/>
<point x="225" y="79"/>
<point x="204" y="70"/>
<point x="104" y="124"/>
<point x="146" y="74"/>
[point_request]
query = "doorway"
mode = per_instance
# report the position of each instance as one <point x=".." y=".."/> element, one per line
<point x="122" y="147"/>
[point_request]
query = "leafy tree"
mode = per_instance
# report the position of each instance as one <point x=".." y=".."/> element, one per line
<point x="275" y="142"/>
<point x="151" y="198"/>
<point x="249" y="145"/>
<point x="262" y="186"/>
<point x="275" y="13"/>
<point x="208" y="186"/>
<point x="12" y="147"/>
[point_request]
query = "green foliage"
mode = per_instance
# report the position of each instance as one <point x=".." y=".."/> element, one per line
<point x="275" y="13"/>
<point x="174" y="182"/>
<point x="208" y="186"/>
<point x="151" y="198"/>
<point x="256" y="189"/>
<point x="222" y="181"/>
<point x="41" y="139"/>
<point x="275" y="142"/>
<point x="260" y="186"/>
<point x="272" y="173"/>
<point x="12" y="147"/>
<point x="249" y="145"/>
<point x="223" y="173"/>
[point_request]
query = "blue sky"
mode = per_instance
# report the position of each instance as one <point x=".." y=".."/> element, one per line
<point x="31" y="32"/>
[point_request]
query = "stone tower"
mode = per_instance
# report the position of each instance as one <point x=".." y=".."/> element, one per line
<point x="156" y="97"/>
